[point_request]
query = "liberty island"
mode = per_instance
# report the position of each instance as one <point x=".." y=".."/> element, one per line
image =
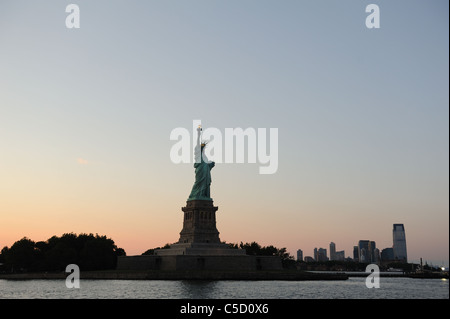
<point x="199" y="253"/>
<point x="199" y="246"/>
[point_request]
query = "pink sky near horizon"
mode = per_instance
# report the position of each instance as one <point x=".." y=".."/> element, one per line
<point x="138" y="219"/>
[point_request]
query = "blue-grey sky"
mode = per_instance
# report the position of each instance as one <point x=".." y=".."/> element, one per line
<point x="362" y="114"/>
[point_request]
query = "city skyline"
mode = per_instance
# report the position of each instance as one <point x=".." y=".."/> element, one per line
<point x="399" y="253"/>
<point x="361" y="116"/>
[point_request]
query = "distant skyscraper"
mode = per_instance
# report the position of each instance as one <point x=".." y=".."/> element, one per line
<point x="372" y="251"/>
<point x="320" y="254"/>
<point x="340" y="255"/>
<point x="399" y="239"/>
<point x="355" y="253"/>
<point x="332" y="251"/>
<point x="387" y="254"/>
<point x="363" y="251"/>
<point x="367" y="251"/>
<point x="376" y="256"/>
<point x="299" y="255"/>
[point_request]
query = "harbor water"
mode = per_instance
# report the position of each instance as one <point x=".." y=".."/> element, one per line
<point x="353" y="288"/>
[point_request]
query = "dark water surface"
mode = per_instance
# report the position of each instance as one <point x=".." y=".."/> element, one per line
<point x="353" y="288"/>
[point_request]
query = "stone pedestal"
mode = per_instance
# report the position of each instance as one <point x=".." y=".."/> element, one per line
<point x="199" y="235"/>
<point x="199" y="248"/>
<point x="199" y="223"/>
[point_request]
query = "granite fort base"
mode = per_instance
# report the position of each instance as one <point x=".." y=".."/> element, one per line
<point x="199" y="248"/>
<point x="193" y="262"/>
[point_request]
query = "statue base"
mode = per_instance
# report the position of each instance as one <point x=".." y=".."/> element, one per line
<point x="199" y="235"/>
<point x="228" y="264"/>
<point x="199" y="248"/>
<point x="199" y="223"/>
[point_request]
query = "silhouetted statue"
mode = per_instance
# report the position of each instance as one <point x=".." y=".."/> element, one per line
<point x="201" y="188"/>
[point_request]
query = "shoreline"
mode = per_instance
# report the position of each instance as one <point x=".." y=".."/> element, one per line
<point x="181" y="275"/>
<point x="285" y="275"/>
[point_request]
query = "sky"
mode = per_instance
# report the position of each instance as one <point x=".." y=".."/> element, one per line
<point x="362" y="117"/>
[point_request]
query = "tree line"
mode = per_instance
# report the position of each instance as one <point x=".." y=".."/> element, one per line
<point x="252" y="248"/>
<point x="88" y="251"/>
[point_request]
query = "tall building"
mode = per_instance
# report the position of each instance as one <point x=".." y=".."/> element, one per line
<point x="355" y="253"/>
<point x="398" y="234"/>
<point x="367" y="251"/>
<point x="332" y="251"/>
<point x="340" y="255"/>
<point x="372" y="251"/>
<point x="320" y="254"/>
<point x="376" y="256"/>
<point x="387" y="254"/>
<point x="363" y="251"/>
<point x="299" y="255"/>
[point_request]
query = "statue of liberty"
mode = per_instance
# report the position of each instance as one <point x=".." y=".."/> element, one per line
<point x="201" y="188"/>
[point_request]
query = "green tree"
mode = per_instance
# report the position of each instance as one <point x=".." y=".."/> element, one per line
<point x="256" y="249"/>
<point x="86" y="250"/>
<point x="22" y="255"/>
<point x="151" y="251"/>
<point x="3" y="253"/>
